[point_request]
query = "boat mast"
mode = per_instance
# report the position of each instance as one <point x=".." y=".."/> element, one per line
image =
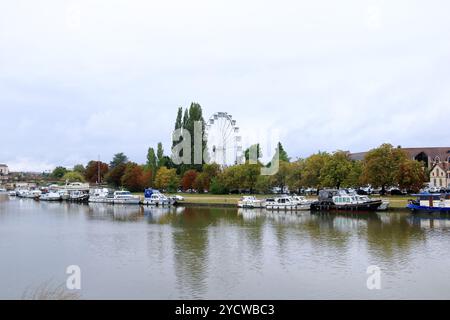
<point x="98" y="170"/>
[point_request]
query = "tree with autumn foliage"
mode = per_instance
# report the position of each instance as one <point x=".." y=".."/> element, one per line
<point x="166" y="179"/>
<point x="188" y="179"/>
<point x="132" y="178"/>
<point x="114" y="176"/>
<point x="91" y="173"/>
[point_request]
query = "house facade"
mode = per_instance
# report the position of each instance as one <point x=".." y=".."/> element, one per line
<point x="440" y="175"/>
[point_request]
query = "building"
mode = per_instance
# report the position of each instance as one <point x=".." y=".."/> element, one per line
<point x="430" y="156"/>
<point x="440" y="175"/>
<point x="4" y="172"/>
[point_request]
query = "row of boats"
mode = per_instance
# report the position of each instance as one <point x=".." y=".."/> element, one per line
<point x="327" y="200"/>
<point x="83" y="194"/>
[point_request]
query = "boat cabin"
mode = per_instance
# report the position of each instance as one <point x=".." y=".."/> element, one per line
<point x="344" y="200"/>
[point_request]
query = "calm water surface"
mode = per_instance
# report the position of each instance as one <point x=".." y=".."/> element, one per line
<point x="210" y="253"/>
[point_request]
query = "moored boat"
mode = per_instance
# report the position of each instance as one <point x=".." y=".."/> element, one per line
<point x="50" y="196"/>
<point x="251" y="202"/>
<point x="301" y="202"/>
<point x="101" y="196"/>
<point x="78" y="196"/>
<point x="156" y="198"/>
<point x="31" y="194"/>
<point x="430" y="202"/>
<point x="341" y="200"/>
<point x="281" y="203"/>
<point x="124" y="197"/>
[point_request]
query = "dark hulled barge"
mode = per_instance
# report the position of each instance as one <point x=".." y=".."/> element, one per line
<point x="336" y="200"/>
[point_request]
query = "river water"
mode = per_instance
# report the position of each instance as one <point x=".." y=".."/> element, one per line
<point x="131" y="252"/>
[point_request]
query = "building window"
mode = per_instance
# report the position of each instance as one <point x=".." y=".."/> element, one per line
<point x="437" y="159"/>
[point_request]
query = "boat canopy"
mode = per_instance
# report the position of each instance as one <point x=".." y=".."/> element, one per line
<point x="149" y="192"/>
<point x="435" y="196"/>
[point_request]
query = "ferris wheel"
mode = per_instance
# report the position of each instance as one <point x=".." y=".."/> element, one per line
<point x="223" y="141"/>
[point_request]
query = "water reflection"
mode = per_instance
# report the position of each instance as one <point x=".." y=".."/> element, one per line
<point x="125" y="213"/>
<point x="200" y="253"/>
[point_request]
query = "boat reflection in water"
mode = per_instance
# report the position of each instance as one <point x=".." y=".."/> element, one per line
<point x="430" y="221"/>
<point x="101" y="211"/>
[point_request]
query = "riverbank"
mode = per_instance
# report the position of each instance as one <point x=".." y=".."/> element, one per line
<point x="396" y="202"/>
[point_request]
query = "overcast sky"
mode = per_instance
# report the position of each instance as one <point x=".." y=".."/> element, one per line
<point x="82" y="79"/>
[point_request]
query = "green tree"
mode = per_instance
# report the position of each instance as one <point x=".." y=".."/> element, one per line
<point x="258" y="152"/>
<point x="263" y="184"/>
<point x="336" y="169"/>
<point x="118" y="159"/>
<point x="195" y="114"/>
<point x="294" y="175"/>
<point x="411" y="175"/>
<point x="354" y="178"/>
<point x="211" y="169"/>
<point x="58" y="172"/>
<point x="280" y="178"/>
<point x="73" y="176"/>
<point x="79" y="168"/>
<point x="178" y="122"/>
<point x="283" y="154"/>
<point x="381" y="165"/>
<point x="218" y="186"/>
<point x="312" y="168"/>
<point x="160" y="155"/>
<point x="151" y="159"/>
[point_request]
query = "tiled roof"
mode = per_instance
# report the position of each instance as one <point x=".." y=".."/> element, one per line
<point x="442" y="152"/>
<point x="445" y="166"/>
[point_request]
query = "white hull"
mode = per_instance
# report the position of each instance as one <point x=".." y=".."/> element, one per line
<point x="50" y="198"/>
<point x="150" y="202"/>
<point x="251" y="205"/>
<point x="126" y="201"/>
<point x="279" y="207"/>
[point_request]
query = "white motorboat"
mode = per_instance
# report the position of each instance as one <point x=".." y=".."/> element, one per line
<point x="301" y="202"/>
<point x="12" y="193"/>
<point x="251" y="202"/>
<point x="78" y="196"/>
<point x="3" y="191"/>
<point x="365" y="199"/>
<point x="32" y="194"/>
<point x="101" y="196"/>
<point x="50" y="196"/>
<point x="64" y="194"/>
<point x="281" y="203"/>
<point x="125" y="197"/>
<point x="156" y="198"/>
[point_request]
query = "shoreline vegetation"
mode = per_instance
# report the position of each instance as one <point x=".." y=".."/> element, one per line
<point x="382" y="168"/>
